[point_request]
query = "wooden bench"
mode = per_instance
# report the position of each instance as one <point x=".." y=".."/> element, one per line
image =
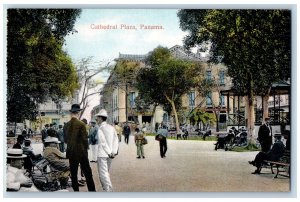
<point x="283" y="165"/>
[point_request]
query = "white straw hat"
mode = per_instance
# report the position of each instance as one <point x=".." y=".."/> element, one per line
<point x="102" y="112"/>
<point x="15" y="153"/>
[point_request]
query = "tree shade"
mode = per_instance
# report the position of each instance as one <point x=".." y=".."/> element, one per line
<point x="37" y="67"/>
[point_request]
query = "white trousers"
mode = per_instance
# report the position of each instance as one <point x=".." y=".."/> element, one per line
<point x="104" y="165"/>
<point x="94" y="151"/>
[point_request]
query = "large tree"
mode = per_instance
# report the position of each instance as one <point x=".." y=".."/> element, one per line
<point x="87" y="70"/>
<point x="255" y="45"/>
<point x="166" y="80"/>
<point x="37" y="67"/>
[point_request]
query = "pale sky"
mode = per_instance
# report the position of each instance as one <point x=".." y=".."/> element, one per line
<point x="106" y="44"/>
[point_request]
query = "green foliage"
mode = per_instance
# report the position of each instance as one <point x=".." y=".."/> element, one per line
<point x="255" y="44"/>
<point x="125" y="71"/>
<point x="158" y="56"/>
<point x="249" y="147"/>
<point x="37" y="67"/>
<point x="166" y="80"/>
<point x="167" y="77"/>
<point x="195" y="138"/>
<point x="199" y="115"/>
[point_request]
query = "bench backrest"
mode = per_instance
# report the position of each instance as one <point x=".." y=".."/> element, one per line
<point x="41" y="164"/>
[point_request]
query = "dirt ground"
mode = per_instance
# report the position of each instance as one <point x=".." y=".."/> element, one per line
<point x="190" y="166"/>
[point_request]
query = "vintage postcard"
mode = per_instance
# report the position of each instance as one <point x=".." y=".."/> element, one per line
<point x="149" y="100"/>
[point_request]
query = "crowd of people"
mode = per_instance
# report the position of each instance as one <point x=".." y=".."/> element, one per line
<point x="66" y="149"/>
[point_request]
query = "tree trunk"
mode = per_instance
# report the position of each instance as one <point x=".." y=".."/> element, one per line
<point x="175" y="113"/>
<point x="265" y="109"/>
<point x="176" y="117"/>
<point x="250" y="119"/>
<point x="217" y="121"/>
<point x="152" y="118"/>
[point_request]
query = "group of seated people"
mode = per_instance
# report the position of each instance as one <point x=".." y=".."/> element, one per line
<point x="51" y="153"/>
<point x="275" y="153"/>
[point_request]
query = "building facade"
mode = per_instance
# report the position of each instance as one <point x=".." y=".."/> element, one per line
<point x="119" y="100"/>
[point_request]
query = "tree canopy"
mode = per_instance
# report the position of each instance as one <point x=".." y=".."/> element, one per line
<point x="37" y="67"/>
<point x="255" y="45"/>
<point x="166" y="80"/>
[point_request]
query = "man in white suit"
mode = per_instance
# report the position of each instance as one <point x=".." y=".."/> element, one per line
<point x="107" y="149"/>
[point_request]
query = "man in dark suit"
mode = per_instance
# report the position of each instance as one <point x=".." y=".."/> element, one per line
<point x="126" y="131"/>
<point x="273" y="155"/>
<point x="265" y="136"/>
<point x="77" y="149"/>
<point x="45" y="133"/>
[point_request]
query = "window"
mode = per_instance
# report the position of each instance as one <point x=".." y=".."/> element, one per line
<point x="222" y="118"/>
<point x="132" y="99"/>
<point x="208" y="99"/>
<point x="115" y="102"/>
<point x="222" y="100"/>
<point x="222" y="77"/>
<point x="192" y="99"/>
<point x="208" y="75"/>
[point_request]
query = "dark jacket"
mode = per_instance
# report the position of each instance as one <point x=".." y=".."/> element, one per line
<point x="44" y="134"/>
<point x="265" y="134"/>
<point x="60" y="135"/>
<point x="277" y="151"/>
<point x="126" y="130"/>
<point x="93" y="135"/>
<point x="76" y="139"/>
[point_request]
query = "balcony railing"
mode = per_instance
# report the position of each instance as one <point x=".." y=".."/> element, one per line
<point x="236" y="119"/>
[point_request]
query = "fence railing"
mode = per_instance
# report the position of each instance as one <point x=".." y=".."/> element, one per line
<point x="236" y="119"/>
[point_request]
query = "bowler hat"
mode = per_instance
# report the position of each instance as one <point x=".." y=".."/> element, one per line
<point x="75" y="108"/>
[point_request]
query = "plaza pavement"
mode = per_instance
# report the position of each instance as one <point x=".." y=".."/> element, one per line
<point x="190" y="166"/>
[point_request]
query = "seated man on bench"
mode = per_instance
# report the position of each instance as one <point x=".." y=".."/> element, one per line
<point x="274" y="154"/>
<point x="179" y="134"/>
<point x="185" y="134"/>
<point x="31" y="156"/>
<point x="57" y="160"/>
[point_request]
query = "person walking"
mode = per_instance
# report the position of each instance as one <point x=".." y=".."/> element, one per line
<point x="126" y="131"/>
<point x="163" y="133"/>
<point x="265" y="135"/>
<point x="77" y="149"/>
<point x="119" y="130"/>
<point x="107" y="149"/>
<point x="93" y="140"/>
<point x="138" y="137"/>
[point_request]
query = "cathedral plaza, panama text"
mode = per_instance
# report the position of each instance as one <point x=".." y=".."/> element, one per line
<point x="125" y="27"/>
